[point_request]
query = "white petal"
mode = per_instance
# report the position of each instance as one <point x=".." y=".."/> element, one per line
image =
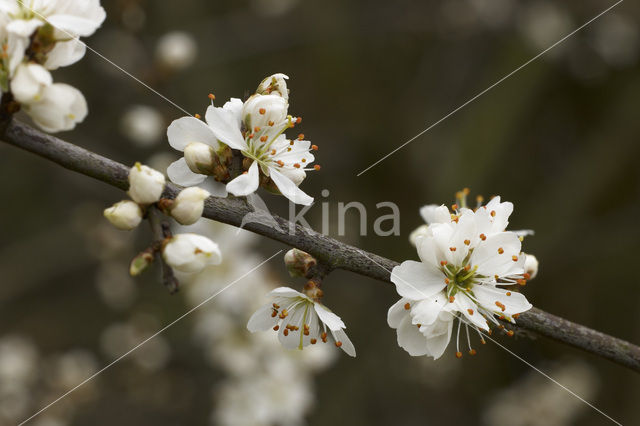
<point x="329" y="318"/>
<point x="262" y="320"/>
<point x="74" y="24"/>
<point x="515" y="303"/>
<point x="65" y="53"/>
<point x="286" y="292"/>
<point x="470" y="310"/>
<point x="289" y="189"/>
<point x="225" y="126"/>
<point x="433" y="213"/>
<point x="487" y="255"/>
<point x="234" y="106"/>
<point x="440" y="335"/>
<point x="185" y="130"/>
<point x="246" y="183"/>
<point x="416" y="280"/>
<point x="181" y="174"/>
<point x="426" y="311"/>
<point x="346" y="345"/>
<point x="397" y="312"/>
<point x="410" y="339"/>
<point x="294" y="339"/>
<point x="24" y="28"/>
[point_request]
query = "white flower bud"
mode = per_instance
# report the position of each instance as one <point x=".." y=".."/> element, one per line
<point x="60" y="107"/>
<point x="275" y="84"/>
<point x="124" y="215"/>
<point x="299" y="263"/>
<point x="417" y="233"/>
<point x="191" y="252"/>
<point x="200" y="158"/>
<point x="29" y="82"/>
<point x="145" y="184"/>
<point x="188" y="205"/>
<point x="531" y="266"/>
<point x="260" y="110"/>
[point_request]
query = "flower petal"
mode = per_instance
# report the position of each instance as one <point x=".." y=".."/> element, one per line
<point x="262" y="319"/>
<point x="514" y="303"/>
<point x="433" y="213"/>
<point x="397" y="312"/>
<point x="246" y="183"/>
<point x="439" y="335"/>
<point x="185" y="130"/>
<point x="329" y="318"/>
<point x="410" y="339"/>
<point x="416" y="280"/>
<point x="426" y="311"/>
<point x="289" y="189"/>
<point x="225" y="126"/>
<point x="181" y="174"/>
<point x="494" y="256"/>
<point x="346" y="345"/>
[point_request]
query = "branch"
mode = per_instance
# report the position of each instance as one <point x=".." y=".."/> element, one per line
<point x="325" y="249"/>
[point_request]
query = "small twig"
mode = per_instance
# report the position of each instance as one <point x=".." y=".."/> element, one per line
<point x="161" y="231"/>
<point x="325" y="249"/>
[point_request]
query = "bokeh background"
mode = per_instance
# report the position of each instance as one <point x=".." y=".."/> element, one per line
<point x="560" y="139"/>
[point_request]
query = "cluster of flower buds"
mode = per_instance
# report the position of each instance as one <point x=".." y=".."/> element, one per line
<point x="255" y="130"/>
<point x="183" y="252"/>
<point x="37" y="37"/>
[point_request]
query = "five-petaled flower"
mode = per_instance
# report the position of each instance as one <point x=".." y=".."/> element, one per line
<point x="466" y="260"/>
<point x="300" y="321"/>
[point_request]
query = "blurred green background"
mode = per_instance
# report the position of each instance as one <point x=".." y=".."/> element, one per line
<point x="560" y="139"/>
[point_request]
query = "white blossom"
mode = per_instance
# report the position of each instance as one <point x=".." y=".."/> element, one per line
<point x="59" y="108"/>
<point x="124" y="215"/>
<point x="176" y="50"/>
<point x="188" y="205"/>
<point x="145" y="184"/>
<point x="191" y="252"/>
<point x="465" y="260"/>
<point x="300" y="321"/>
<point x="29" y="82"/>
<point x="199" y="143"/>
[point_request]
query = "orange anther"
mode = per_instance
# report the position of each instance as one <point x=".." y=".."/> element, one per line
<point x="338" y="343"/>
<point x="313" y="341"/>
<point x="285" y="331"/>
<point x="500" y="250"/>
<point x="451" y="299"/>
<point x="198" y="116"/>
<point x="458" y="354"/>
<point x="276" y="327"/>
<point x="493" y="213"/>
<point x="407" y="306"/>
<point x="314" y="147"/>
<point x="508" y="293"/>
<point x="514" y="258"/>
<point x="510" y="333"/>
<point x="472" y="352"/>
<point x="443" y="262"/>
<point x="317" y="167"/>
<point x="299" y="120"/>
<point x="483" y="237"/>
<point x="264" y="138"/>
<point x="212" y="96"/>
<point x="262" y="111"/>
<point x="452" y="248"/>
<point x="467" y="242"/>
<point x="446" y="281"/>
<point x="301" y="136"/>
<point x="270" y="123"/>
<point x="470" y="311"/>
<point x="296" y="165"/>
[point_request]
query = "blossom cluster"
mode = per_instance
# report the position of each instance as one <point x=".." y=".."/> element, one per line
<point x="38" y="36"/>
<point x="261" y="383"/>
<point x="186" y="252"/>
<point x="255" y="129"/>
<point x="470" y="269"/>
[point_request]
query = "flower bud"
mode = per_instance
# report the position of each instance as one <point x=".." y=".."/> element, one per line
<point x="275" y="84"/>
<point x="124" y="215"/>
<point x="29" y="82"/>
<point x="260" y="110"/>
<point x="191" y="252"/>
<point x="200" y="158"/>
<point x="60" y="107"/>
<point x="531" y="265"/>
<point x="140" y="263"/>
<point x="299" y="263"/>
<point x="188" y="205"/>
<point x="417" y="233"/>
<point x="145" y="184"/>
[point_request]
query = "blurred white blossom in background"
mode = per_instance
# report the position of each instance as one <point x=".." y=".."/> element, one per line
<point x="176" y="50"/>
<point x="143" y="125"/>
<point x="536" y="401"/>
